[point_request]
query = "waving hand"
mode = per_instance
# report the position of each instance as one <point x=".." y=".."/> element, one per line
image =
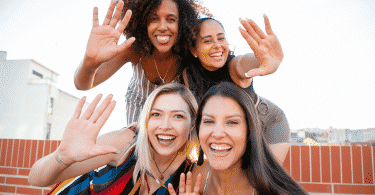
<point x="267" y="48"/>
<point x="79" y="139"/>
<point x="102" y="45"/>
<point x="185" y="189"/>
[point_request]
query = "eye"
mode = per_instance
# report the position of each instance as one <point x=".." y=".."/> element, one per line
<point x="171" y="20"/>
<point x="233" y="122"/>
<point x="153" y="19"/>
<point x="179" y="116"/>
<point x="208" y="121"/>
<point x="207" y="41"/>
<point x="155" y="114"/>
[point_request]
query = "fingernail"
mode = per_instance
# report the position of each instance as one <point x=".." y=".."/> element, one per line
<point x="246" y="75"/>
<point x="247" y="19"/>
<point x="118" y="152"/>
<point x="240" y="19"/>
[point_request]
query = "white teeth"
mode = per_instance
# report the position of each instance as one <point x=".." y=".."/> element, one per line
<point x="166" y="137"/>
<point x="220" y="147"/>
<point x="217" y="54"/>
<point x="163" y="38"/>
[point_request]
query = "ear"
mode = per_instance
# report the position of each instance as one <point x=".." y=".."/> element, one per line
<point x="194" y="52"/>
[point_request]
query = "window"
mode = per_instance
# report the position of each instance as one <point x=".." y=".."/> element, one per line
<point x="37" y="74"/>
<point x="50" y="106"/>
<point x="48" y="134"/>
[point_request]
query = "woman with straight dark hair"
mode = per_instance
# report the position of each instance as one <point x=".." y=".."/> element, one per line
<point x="238" y="158"/>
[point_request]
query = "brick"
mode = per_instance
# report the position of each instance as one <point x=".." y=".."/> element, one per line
<point x="317" y="188"/>
<point x="346" y="164"/>
<point x="9" y="153"/>
<point x="9" y="189"/>
<point x="47" y="147"/>
<point x="336" y="166"/>
<point x="326" y="164"/>
<point x="3" y="151"/>
<point x="8" y="171"/>
<point x="24" y="172"/>
<point x="31" y="191"/>
<point x="315" y="163"/>
<point x="40" y="149"/>
<point x="287" y="162"/>
<point x="16" y="145"/>
<point x="357" y="164"/>
<point x="295" y="153"/>
<point x="26" y="162"/>
<point x="305" y="163"/>
<point x="367" y="165"/>
<point x="17" y="181"/>
<point x="34" y="150"/>
<point x="46" y="191"/>
<point x="53" y="145"/>
<point x="21" y="153"/>
<point x="2" y="179"/>
<point x="354" y="189"/>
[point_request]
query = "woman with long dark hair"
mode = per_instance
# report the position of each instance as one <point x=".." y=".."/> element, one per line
<point x="238" y="158"/>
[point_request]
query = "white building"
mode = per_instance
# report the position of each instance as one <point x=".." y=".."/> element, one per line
<point x="31" y="107"/>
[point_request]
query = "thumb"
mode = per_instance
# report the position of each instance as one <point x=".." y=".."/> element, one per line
<point x="103" y="150"/>
<point x="254" y="72"/>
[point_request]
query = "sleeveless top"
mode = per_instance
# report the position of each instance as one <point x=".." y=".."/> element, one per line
<point x="138" y="90"/>
<point x="115" y="180"/>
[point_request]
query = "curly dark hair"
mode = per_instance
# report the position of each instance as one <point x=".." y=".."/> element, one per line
<point x="137" y="26"/>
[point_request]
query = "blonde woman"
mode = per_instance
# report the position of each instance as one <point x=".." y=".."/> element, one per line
<point x="123" y="162"/>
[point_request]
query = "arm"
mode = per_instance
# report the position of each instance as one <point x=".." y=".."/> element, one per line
<point x="279" y="151"/>
<point x="80" y="151"/>
<point x="103" y="56"/>
<point x="267" y="51"/>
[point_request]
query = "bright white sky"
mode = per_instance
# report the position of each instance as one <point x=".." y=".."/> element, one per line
<point x="326" y="78"/>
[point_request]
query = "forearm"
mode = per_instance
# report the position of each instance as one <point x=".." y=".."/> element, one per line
<point x="85" y="75"/>
<point x="239" y="66"/>
<point x="46" y="170"/>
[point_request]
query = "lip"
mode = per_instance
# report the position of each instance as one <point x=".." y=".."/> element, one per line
<point x="220" y="149"/>
<point x="216" y="54"/>
<point x="163" y="39"/>
<point x="165" y="139"/>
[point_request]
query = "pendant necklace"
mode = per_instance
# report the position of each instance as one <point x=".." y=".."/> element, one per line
<point x="161" y="173"/>
<point x="162" y="79"/>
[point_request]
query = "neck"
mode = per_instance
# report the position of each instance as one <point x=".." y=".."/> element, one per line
<point x="167" y="164"/>
<point x="158" y="56"/>
<point x="224" y="181"/>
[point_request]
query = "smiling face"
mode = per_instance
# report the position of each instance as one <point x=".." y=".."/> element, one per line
<point x="222" y="132"/>
<point x="162" y="27"/>
<point x="211" y="46"/>
<point x="169" y="124"/>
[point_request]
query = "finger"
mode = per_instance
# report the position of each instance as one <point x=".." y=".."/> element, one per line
<point x="103" y="150"/>
<point x="171" y="190"/>
<point x="117" y="14"/>
<point x="189" y="181"/>
<point x="250" y="30"/>
<point x="198" y="183"/>
<point x="250" y="41"/>
<point x="108" y="17"/>
<point x="268" y="25"/>
<point x="256" y="28"/>
<point x="121" y="27"/>
<point x="256" y="72"/>
<point x="91" y="107"/>
<point x="95" y="21"/>
<point x="107" y="112"/>
<point x="126" y="44"/>
<point x="182" y="183"/>
<point x="101" y="108"/>
<point x="79" y="107"/>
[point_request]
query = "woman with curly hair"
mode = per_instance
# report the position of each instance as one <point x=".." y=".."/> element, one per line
<point x="127" y="161"/>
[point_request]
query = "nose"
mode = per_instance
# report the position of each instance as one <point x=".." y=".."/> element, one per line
<point x="162" y="25"/>
<point x="165" y="123"/>
<point x="218" y="131"/>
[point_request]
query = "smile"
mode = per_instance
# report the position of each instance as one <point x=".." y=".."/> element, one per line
<point x="163" y="39"/>
<point x="165" y="139"/>
<point x="220" y="148"/>
<point x="217" y="54"/>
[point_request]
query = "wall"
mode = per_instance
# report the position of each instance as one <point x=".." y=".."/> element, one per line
<point x="319" y="169"/>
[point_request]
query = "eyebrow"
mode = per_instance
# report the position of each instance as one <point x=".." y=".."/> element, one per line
<point x="231" y="116"/>
<point x="159" y="110"/>
<point x="211" y="35"/>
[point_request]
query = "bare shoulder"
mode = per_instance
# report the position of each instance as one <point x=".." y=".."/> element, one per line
<point x="203" y="169"/>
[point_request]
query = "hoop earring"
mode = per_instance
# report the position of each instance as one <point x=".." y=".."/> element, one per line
<point x="200" y="157"/>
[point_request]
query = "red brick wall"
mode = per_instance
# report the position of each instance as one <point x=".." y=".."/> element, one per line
<point x="319" y="169"/>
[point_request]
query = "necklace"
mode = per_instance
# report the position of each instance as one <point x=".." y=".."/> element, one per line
<point x="162" y="79"/>
<point x="161" y="173"/>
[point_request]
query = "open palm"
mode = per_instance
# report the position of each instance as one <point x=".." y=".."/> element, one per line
<point x="185" y="188"/>
<point x="266" y="48"/>
<point x="79" y="139"/>
<point x="102" y="45"/>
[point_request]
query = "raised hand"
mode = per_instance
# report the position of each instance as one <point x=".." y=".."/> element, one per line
<point x="189" y="180"/>
<point x="102" y="45"/>
<point x="266" y="48"/>
<point x="79" y="139"/>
